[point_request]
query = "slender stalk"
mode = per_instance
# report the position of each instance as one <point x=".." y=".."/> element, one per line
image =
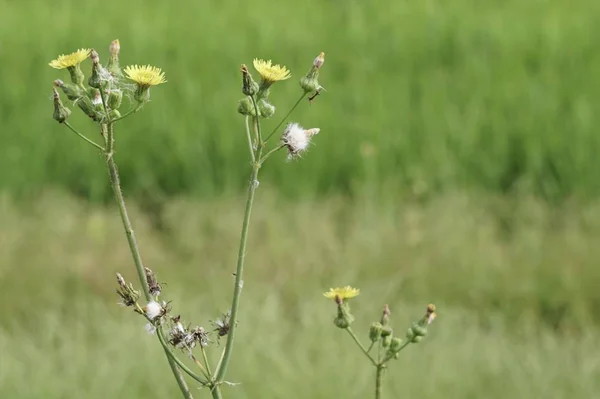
<point x="366" y="352"/>
<point x="378" y="380"/>
<point x="113" y="172"/>
<point x="178" y="362"/>
<point x="259" y="142"/>
<point x="285" y="117"/>
<point x="98" y="146"/>
<point x="268" y="154"/>
<point x="249" y="136"/>
<point x="387" y="358"/>
<point x="125" y="115"/>
<point x="239" y="273"/>
<point x="370" y="347"/>
<point x="220" y="372"/>
<point x="206" y="362"/>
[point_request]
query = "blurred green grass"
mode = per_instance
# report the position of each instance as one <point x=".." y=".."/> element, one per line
<point x="518" y="307"/>
<point x="422" y="97"/>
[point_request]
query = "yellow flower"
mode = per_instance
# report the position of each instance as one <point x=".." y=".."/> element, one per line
<point x="70" y="60"/>
<point x="346" y="292"/>
<point x="271" y="73"/>
<point x="145" y="75"/>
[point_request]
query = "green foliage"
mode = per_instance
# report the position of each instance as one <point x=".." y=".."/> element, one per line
<point x="421" y="96"/>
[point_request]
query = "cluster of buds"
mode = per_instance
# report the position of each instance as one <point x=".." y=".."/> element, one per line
<point x="102" y="98"/>
<point x="187" y="338"/>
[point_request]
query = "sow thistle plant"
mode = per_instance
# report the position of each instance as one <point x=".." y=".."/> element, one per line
<point x="381" y="333"/>
<point x="101" y="97"/>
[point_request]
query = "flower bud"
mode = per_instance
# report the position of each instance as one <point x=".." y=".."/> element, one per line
<point x="113" y="61"/>
<point x="386" y="331"/>
<point x="386" y="341"/>
<point x="88" y="108"/>
<point x="309" y="85"/>
<point x="266" y="110"/>
<point x="94" y="80"/>
<point x="115" y="98"/>
<point x="249" y="86"/>
<point x="319" y="61"/>
<point x="72" y="92"/>
<point x="114" y="114"/>
<point x="375" y="332"/>
<point x="245" y="107"/>
<point x="61" y="113"/>
<point x="385" y="316"/>
<point x="395" y="345"/>
<point x="310" y="82"/>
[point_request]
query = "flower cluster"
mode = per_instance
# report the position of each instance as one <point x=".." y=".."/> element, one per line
<point x="102" y="98"/>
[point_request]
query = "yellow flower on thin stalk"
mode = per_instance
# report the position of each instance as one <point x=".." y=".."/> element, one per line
<point x="70" y="60"/>
<point x="271" y="73"/>
<point x="145" y="76"/>
<point x="344" y="293"/>
<point x="71" y="63"/>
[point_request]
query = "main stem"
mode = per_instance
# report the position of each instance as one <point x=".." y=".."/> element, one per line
<point x="239" y="272"/>
<point x="113" y="172"/>
<point x="378" y="380"/>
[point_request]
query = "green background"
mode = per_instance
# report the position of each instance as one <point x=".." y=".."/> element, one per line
<point x="456" y="164"/>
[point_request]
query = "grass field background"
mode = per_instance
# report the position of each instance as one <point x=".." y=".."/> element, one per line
<point x="456" y="164"/>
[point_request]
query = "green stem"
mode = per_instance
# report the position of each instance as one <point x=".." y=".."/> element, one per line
<point x="249" y="136"/>
<point x="285" y="117"/>
<point x="268" y="154"/>
<point x="175" y="360"/>
<point x="125" y="115"/>
<point x="103" y="97"/>
<point x="98" y="146"/>
<point x="206" y="363"/>
<point x="220" y="373"/>
<point x="108" y="132"/>
<point x="259" y="142"/>
<point x="355" y="338"/>
<point x="378" y="380"/>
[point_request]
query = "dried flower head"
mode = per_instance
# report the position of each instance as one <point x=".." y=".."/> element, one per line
<point x="223" y="324"/>
<point x="70" y="60"/>
<point x="296" y="139"/>
<point x="430" y="314"/>
<point x="145" y="75"/>
<point x="153" y="285"/>
<point x="271" y="73"/>
<point x="344" y="293"/>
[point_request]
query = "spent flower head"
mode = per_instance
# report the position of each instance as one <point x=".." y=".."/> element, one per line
<point x="297" y="139"/>
<point x="154" y="310"/>
<point x="270" y="73"/>
<point x="70" y="60"/>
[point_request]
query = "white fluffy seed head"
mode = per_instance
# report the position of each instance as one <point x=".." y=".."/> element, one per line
<point x="297" y="139"/>
<point x="153" y="310"/>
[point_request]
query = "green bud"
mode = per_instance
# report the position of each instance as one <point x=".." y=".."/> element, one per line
<point x="386" y="331"/>
<point x="85" y="104"/>
<point x="245" y="107"/>
<point x="114" y="114"/>
<point x="419" y="330"/>
<point x="309" y="85"/>
<point x="72" y="92"/>
<point x="395" y="345"/>
<point x="266" y="110"/>
<point x="416" y="339"/>
<point x="386" y="341"/>
<point x="61" y="113"/>
<point x="249" y="86"/>
<point x="115" y="98"/>
<point x="385" y="316"/>
<point x="113" y="61"/>
<point x="375" y="332"/>
<point x="94" y="80"/>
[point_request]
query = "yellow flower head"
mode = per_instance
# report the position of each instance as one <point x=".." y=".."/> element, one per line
<point x="70" y="60"/>
<point x="271" y="73"/>
<point x="145" y="75"/>
<point x="344" y="293"/>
